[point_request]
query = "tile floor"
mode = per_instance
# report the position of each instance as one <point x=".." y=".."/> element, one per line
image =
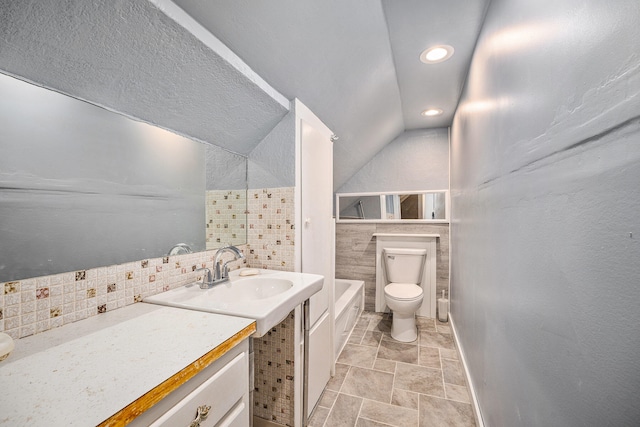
<point x="382" y="382"/>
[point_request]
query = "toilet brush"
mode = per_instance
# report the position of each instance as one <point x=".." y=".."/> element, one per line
<point x="443" y="308"/>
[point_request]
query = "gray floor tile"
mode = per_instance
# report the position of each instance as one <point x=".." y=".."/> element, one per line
<point x="400" y="352"/>
<point x="443" y="329"/>
<point x="356" y="336"/>
<point x="362" y="323"/>
<point x="429" y="357"/>
<point x="318" y="417"/>
<point x="448" y="354"/>
<point x="452" y="371"/>
<point x="404" y="398"/>
<point x="358" y="355"/>
<point x="385" y="365"/>
<point x="371" y="338"/>
<point x="425" y="324"/>
<point x="336" y="382"/>
<point x="328" y="398"/>
<point x="436" y="339"/>
<point x="345" y="411"/>
<point x="383" y="325"/>
<point x="419" y="379"/>
<point x="363" y="422"/>
<point x="419" y="384"/>
<point x="442" y="412"/>
<point x="371" y="315"/>
<point x="389" y="414"/>
<point x="457" y="392"/>
<point x="370" y="384"/>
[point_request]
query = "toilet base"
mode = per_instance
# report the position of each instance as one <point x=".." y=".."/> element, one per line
<point x="403" y="327"/>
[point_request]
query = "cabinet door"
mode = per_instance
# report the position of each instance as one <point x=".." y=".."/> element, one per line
<point x="226" y="392"/>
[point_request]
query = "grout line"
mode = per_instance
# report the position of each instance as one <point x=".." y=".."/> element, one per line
<point x="444" y="387"/>
<point x="359" y="410"/>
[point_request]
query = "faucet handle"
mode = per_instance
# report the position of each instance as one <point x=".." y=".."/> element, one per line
<point x="225" y="270"/>
<point x="206" y="278"/>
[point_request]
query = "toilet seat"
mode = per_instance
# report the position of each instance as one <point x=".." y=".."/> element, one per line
<point x="403" y="291"/>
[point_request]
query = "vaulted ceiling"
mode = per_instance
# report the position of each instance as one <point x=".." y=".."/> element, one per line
<point x="355" y="63"/>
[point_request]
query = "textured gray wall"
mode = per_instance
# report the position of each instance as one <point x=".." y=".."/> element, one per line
<point x="545" y="193"/>
<point x="272" y="163"/>
<point x="225" y="170"/>
<point x="82" y="187"/>
<point x="131" y="57"/>
<point x="416" y="160"/>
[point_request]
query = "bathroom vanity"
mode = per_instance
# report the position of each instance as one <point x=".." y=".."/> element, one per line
<point x="110" y="369"/>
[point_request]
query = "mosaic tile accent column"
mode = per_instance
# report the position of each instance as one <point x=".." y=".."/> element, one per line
<point x="225" y="217"/>
<point x="271" y="234"/>
<point x="273" y="397"/>
<point x="271" y="244"/>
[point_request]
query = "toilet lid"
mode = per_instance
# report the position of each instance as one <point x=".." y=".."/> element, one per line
<point x="403" y="291"/>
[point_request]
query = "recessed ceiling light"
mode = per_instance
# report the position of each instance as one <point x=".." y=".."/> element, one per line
<point x="432" y="112"/>
<point x="436" y="54"/>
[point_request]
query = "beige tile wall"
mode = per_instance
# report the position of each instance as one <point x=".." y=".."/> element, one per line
<point x="356" y="253"/>
<point x="271" y="234"/>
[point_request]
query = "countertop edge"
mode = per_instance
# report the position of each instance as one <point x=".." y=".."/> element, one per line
<point x="155" y="395"/>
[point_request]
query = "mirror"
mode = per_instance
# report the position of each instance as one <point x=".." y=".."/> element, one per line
<point x="359" y="207"/>
<point x="226" y="198"/>
<point x="418" y="206"/>
<point x="82" y="187"/>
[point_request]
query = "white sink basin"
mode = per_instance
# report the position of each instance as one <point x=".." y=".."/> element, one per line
<point x="267" y="297"/>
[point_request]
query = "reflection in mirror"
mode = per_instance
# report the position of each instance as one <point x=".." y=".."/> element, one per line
<point x="392" y="206"/>
<point x="82" y="187"/>
<point x="360" y="207"/>
<point x="226" y="199"/>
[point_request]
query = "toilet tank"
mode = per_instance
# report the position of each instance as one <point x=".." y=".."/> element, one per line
<point x="404" y="265"/>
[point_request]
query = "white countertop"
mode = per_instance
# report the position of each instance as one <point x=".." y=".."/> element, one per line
<point x="84" y="372"/>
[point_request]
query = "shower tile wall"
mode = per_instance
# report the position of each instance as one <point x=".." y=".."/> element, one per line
<point x="356" y="253"/>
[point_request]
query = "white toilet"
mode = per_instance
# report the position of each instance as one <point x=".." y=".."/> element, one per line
<point x="403" y="295"/>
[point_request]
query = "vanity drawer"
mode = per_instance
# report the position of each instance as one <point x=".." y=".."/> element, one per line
<point x="225" y="392"/>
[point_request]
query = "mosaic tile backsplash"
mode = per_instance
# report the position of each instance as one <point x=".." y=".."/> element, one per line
<point x="38" y="304"/>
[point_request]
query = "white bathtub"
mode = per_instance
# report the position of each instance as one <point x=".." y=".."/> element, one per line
<point x="349" y="295"/>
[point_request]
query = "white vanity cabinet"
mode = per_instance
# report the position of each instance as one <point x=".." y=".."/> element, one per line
<point x="222" y="388"/>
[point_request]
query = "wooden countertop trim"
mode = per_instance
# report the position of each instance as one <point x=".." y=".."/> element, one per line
<point x="147" y="400"/>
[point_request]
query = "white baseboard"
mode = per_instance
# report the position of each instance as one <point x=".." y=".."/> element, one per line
<point x="472" y="390"/>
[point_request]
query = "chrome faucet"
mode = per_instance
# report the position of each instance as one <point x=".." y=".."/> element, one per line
<point x="221" y="274"/>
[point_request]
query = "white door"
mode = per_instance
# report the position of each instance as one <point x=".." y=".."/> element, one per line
<point x="316" y="238"/>
<point x="317" y="199"/>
